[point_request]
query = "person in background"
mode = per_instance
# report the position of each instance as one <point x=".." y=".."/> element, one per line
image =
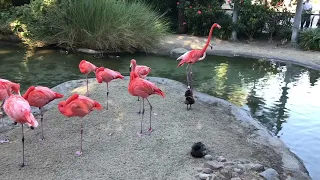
<point x="306" y="13"/>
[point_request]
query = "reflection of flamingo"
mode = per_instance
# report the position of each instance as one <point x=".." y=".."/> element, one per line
<point x="78" y="105"/>
<point x="86" y="68"/>
<point x="143" y="88"/>
<point x="107" y="75"/>
<point x="19" y="110"/>
<point x="194" y="56"/>
<point x="141" y="70"/>
<point x="40" y="96"/>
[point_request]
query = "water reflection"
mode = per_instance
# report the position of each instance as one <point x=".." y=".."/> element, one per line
<point x="282" y="97"/>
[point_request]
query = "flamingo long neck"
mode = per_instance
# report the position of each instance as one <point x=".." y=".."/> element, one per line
<point x="26" y="94"/>
<point x="208" y="40"/>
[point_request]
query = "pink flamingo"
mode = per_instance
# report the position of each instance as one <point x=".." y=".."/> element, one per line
<point x="6" y="88"/>
<point x="107" y="75"/>
<point x="141" y="70"/>
<point x="77" y="105"/>
<point x="86" y="68"/>
<point x="194" y="56"/>
<point x="143" y="88"/>
<point x="40" y="96"/>
<point x="19" y="110"/>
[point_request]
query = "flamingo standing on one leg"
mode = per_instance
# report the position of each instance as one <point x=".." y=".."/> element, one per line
<point x="194" y="56"/>
<point x="141" y="70"/>
<point x="19" y="110"/>
<point x="86" y="68"/>
<point x="6" y="88"/>
<point x="77" y="105"/>
<point x="107" y="75"/>
<point x="143" y="88"/>
<point x="40" y="96"/>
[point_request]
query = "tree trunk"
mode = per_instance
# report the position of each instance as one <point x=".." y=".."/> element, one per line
<point x="296" y="23"/>
<point x="235" y="19"/>
<point x="181" y="19"/>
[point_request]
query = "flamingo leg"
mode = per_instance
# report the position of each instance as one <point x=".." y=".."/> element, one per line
<point x="187" y="75"/>
<point x="139" y="108"/>
<point x="23" y="163"/>
<point x="138" y="98"/>
<point x="107" y="96"/>
<point x="87" y="94"/>
<point x="79" y="153"/>
<point x="190" y="76"/>
<point x="150" y="128"/>
<point x="2" y="140"/>
<point x="42" y="137"/>
<point x="140" y="133"/>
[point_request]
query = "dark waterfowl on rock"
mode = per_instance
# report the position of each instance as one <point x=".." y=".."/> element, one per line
<point x="189" y="98"/>
<point x="198" y="150"/>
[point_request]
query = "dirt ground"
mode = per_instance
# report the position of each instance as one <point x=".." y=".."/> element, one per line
<point x="111" y="147"/>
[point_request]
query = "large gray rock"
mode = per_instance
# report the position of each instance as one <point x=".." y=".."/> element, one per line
<point x="177" y="52"/>
<point x="270" y="174"/>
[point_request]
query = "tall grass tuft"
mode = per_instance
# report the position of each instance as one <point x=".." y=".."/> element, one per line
<point x="310" y="39"/>
<point x="108" y="25"/>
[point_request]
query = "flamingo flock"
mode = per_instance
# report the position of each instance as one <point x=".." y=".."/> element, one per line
<point x="18" y="107"/>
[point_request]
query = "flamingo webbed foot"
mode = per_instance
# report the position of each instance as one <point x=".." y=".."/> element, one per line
<point x="139" y="134"/>
<point x="78" y="153"/>
<point x="23" y="165"/>
<point x="4" y="141"/>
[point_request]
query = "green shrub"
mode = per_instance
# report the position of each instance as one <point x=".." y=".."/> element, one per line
<point x="99" y="24"/>
<point x="200" y="15"/>
<point x="252" y="18"/>
<point x="5" y="4"/>
<point x="310" y="39"/>
<point x="279" y="23"/>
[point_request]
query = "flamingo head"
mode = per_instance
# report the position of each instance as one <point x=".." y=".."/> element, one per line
<point x="16" y="88"/>
<point x="133" y="62"/>
<point x="217" y="25"/>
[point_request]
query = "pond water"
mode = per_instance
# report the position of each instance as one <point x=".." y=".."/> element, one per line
<point x="285" y="98"/>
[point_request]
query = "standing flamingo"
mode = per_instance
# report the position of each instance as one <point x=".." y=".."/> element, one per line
<point x="141" y="70"/>
<point x="19" y="110"/>
<point x="86" y="68"/>
<point x="77" y="105"/>
<point x="40" y="96"/>
<point x="6" y="88"/>
<point x="194" y="56"/>
<point x="107" y="75"/>
<point x="143" y="88"/>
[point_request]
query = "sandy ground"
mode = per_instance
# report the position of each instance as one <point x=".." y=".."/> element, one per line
<point x="256" y="49"/>
<point x="112" y="150"/>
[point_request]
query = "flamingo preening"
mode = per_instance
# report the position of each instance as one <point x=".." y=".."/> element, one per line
<point x="107" y="75"/>
<point x="141" y="70"/>
<point x="40" y="96"/>
<point x="86" y="68"/>
<point x="143" y="88"/>
<point x="77" y="105"/>
<point x="195" y="55"/>
<point x="19" y="110"/>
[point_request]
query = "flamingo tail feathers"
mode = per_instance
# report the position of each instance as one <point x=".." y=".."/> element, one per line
<point x="30" y="118"/>
<point x="97" y="106"/>
<point x="159" y="92"/>
<point x="58" y="95"/>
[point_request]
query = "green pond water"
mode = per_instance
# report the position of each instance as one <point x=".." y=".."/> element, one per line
<point x="284" y="97"/>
